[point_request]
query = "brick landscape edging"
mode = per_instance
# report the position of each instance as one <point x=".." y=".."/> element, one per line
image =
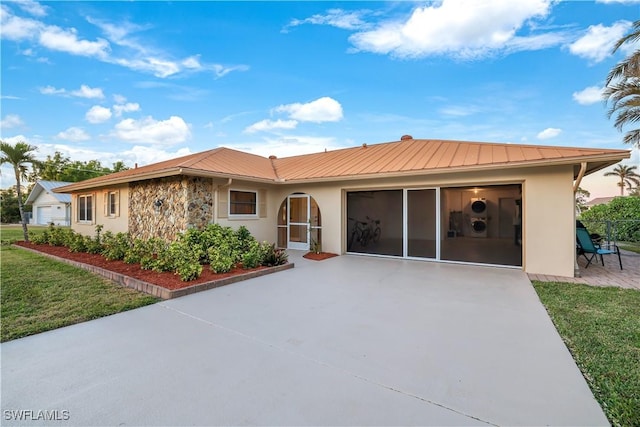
<point x="159" y="291"/>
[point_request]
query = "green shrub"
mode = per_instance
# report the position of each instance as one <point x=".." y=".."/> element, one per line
<point x="273" y="256"/>
<point x="39" y="239"/>
<point x="60" y="236"/>
<point x="215" y="235"/>
<point x="624" y="210"/>
<point x="77" y="243"/>
<point x="189" y="270"/>
<point x="165" y="258"/>
<point x="93" y="246"/>
<point x="222" y="258"/>
<point x="195" y="239"/>
<point x="244" y="239"/>
<point x="143" y="252"/>
<point x="253" y="256"/>
<point x="115" y="247"/>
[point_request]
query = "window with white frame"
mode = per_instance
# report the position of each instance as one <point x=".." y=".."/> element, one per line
<point x="243" y="202"/>
<point x="112" y="203"/>
<point x="85" y="208"/>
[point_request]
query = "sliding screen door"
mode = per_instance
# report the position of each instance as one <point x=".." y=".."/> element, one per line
<point x="421" y="223"/>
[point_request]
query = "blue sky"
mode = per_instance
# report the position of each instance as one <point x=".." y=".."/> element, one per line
<point x="147" y="81"/>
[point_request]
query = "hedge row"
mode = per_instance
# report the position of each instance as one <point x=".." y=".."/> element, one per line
<point x="221" y="248"/>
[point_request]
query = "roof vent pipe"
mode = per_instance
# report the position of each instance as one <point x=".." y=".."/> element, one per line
<point x="405" y="137"/>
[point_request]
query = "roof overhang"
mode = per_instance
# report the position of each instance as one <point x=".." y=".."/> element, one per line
<point x="164" y="173"/>
<point x="594" y="162"/>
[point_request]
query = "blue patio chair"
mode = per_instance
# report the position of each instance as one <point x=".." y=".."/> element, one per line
<point x="587" y="246"/>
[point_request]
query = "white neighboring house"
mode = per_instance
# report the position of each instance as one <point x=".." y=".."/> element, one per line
<point x="49" y="207"/>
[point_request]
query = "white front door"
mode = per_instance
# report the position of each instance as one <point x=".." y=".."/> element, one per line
<point x="298" y="222"/>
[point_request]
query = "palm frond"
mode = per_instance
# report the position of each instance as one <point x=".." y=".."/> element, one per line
<point x="633" y="36"/>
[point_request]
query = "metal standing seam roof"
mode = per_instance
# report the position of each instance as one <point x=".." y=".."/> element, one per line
<point x="49" y="187"/>
<point x="404" y="157"/>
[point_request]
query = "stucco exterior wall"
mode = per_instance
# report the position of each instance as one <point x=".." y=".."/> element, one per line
<point x="262" y="225"/>
<point x="115" y="223"/>
<point x="547" y="192"/>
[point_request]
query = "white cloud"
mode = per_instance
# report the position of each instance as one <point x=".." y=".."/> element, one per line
<point x="32" y="7"/>
<point x="142" y="57"/>
<point x="15" y="27"/>
<point x="464" y="29"/>
<point x="11" y="121"/>
<point x="126" y="108"/>
<point x="289" y="146"/>
<point x="119" y="99"/>
<point x="74" y="134"/>
<point x="596" y="44"/>
<point x="66" y="40"/>
<point x="50" y="90"/>
<point x="589" y="95"/>
<point x="324" y="109"/>
<point x="98" y="114"/>
<point x="549" y="133"/>
<point x="84" y="92"/>
<point x="118" y="47"/>
<point x="88" y="92"/>
<point x="267" y="125"/>
<point x="346" y="20"/>
<point x="143" y="155"/>
<point x="150" y="131"/>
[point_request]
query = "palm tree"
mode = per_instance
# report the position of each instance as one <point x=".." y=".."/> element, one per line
<point x="622" y="88"/>
<point x="627" y="175"/>
<point x="18" y="156"/>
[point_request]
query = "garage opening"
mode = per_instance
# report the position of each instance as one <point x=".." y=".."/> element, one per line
<point x="467" y="224"/>
<point x="482" y="224"/>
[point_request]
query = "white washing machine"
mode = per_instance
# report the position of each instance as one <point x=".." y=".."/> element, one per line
<point x="478" y="207"/>
<point x="478" y="217"/>
<point x="478" y="227"/>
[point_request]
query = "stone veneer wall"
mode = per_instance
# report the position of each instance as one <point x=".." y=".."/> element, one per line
<point x="186" y="202"/>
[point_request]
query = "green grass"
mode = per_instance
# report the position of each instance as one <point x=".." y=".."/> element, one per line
<point x="601" y="328"/>
<point x="630" y="246"/>
<point x="39" y="294"/>
<point x="12" y="233"/>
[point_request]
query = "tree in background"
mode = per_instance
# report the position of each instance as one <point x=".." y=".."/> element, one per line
<point x="19" y="156"/>
<point x="9" y="212"/>
<point x="627" y="176"/>
<point x="581" y="199"/>
<point x="59" y="168"/>
<point x="622" y="88"/>
<point x="622" y="212"/>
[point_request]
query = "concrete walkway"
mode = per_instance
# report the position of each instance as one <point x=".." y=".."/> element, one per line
<point x="609" y="275"/>
<point x="345" y="341"/>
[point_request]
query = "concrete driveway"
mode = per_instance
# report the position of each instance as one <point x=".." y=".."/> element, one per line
<point x="346" y="341"/>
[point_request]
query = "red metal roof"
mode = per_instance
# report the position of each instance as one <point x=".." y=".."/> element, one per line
<point x="404" y="157"/>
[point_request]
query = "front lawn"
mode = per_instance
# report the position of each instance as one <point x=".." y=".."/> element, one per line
<point x="630" y="246"/>
<point x="39" y="294"/>
<point x="601" y="328"/>
<point x="10" y="233"/>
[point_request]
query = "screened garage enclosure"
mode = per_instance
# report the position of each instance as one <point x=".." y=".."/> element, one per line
<point x="480" y="224"/>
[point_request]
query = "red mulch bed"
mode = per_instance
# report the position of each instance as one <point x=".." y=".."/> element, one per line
<point x="166" y="280"/>
<point x="318" y="256"/>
